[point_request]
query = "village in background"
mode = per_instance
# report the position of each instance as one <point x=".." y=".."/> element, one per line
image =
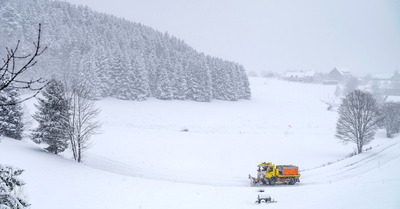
<point x="384" y="86"/>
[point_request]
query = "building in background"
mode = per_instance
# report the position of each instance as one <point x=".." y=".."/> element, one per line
<point x="386" y="85"/>
<point x="337" y="75"/>
<point x="300" y="76"/>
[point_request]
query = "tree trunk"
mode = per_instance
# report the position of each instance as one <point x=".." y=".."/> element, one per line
<point x="388" y="134"/>
<point x="79" y="149"/>
<point x="359" y="147"/>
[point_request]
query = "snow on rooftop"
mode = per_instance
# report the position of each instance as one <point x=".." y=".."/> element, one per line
<point x="344" y="70"/>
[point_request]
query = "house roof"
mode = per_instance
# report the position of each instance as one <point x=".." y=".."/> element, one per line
<point x="342" y="70"/>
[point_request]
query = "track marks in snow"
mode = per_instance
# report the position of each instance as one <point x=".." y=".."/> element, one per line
<point x="110" y="165"/>
<point x="355" y="166"/>
<point x="352" y="167"/>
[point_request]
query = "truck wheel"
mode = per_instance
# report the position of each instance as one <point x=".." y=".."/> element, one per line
<point x="272" y="181"/>
<point x="292" y="181"/>
<point x="264" y="181"/>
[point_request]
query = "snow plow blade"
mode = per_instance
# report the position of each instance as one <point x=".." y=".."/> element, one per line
<point x="253" y="181"/>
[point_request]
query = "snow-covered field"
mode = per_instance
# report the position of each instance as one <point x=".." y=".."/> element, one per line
<point x="143" y="159"/>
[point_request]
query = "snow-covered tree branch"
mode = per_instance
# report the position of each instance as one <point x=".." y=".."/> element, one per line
<point x="9" y="185"/>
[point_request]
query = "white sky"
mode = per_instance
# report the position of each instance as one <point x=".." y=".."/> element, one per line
<point x="277" y="35"/>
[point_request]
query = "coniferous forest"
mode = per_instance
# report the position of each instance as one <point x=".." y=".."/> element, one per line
<point x="115" y="57"/>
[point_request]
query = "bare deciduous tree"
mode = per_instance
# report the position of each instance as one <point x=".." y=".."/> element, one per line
<point x="14" y="66"/>
<point x="82" y="122"/>
<point x="358" y="119"/>
<point x="391" y="118"/>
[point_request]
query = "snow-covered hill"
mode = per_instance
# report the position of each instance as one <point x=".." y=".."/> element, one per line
<point x="143" y="159"/>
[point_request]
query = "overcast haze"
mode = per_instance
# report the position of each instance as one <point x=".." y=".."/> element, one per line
<point x="281" y="35"/>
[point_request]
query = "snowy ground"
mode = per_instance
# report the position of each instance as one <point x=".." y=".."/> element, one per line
<point x="143" y="159"/>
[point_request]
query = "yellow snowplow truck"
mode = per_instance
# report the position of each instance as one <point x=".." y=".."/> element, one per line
<point x="267" y="173"/>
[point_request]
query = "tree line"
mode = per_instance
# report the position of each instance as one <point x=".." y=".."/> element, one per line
<point x="118" y="58"/>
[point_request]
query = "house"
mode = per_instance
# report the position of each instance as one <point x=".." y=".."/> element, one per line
<point x="378" y="86"/>
<point x="386" y="85"/>
<point x="300" y="76"/>
<point x="337" y="75"/>
<point x="395" y="80"/>
<point x="394" y="88"/>
<point x="297" y="76"/>
<point x="309" y="76"/>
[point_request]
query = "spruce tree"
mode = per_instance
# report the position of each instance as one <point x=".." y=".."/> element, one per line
<point x="140" y="85"/>
<point x="11" y="124"/>
<point x="164" y="86"/>
<point x="10" y="188"/>
<point x="180" y="84"/>
<point x="52" y="116"/>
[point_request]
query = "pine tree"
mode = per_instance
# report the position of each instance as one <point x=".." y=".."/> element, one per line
<point x="52" y="116"/>
<point x="180" y="84"/>
<point x="199" y="80"/>
<point x="163" y="89"/>
<point x="219" y="77"/>
<point x="163" y="85"/>
<point x="116" y="75"/>
<point x="102" y="65"/>
<point x="140" y="84"/>
<point x="245" y="92"/>
<point x="88" y="76"/>
<point x="125" y="78"/>
<point x="11" y="124"/>
<point x="10" y="22"/>
<point x="230" y="87"/>
<point x="10" y="187"/>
